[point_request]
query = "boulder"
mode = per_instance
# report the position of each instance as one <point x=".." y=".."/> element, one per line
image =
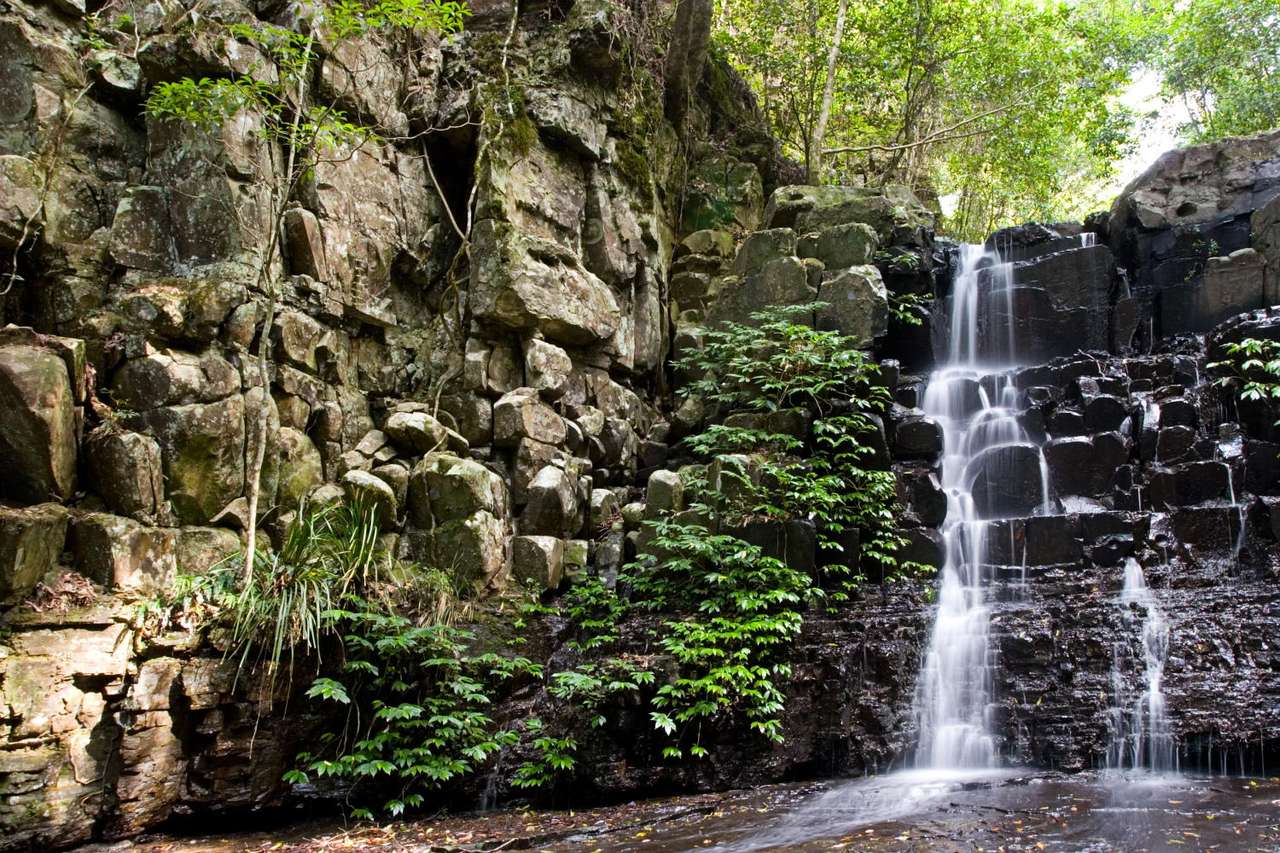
<point x="127" y="470"/>
<point x="297" y="337"/>
<point x="794" y="541"/>
<point x="362" y="485"/>
<point x="664" y="494"/>
<point x="1052" y="540"/>
<point x="1173" y="443"/>
<point x="568" y="120"/>
<point x="198" y="549"/>
<point x="530" y="458"/>
<point x="173" y="378"/>
<point x="708" y="241"/>
<point x="782" y="281"/>
<point x="396" y="475"/>
<point x="472" y="417"/>
<point x="924" y="546"/>
<point x="202" y="448"/>
<point x="532" y="284"/>
<point x="547" y="368"/>
<point x="38" y="425"/>
<point x="1104" y="413"/>
<point x="304" y="244"/>
<point x="922" y="494"/>
<point x="122" y="554"/>
<point x="444" y="488"/>
<point x="553" y="507"/>
<point x="31" y="542"/>
<point x="1189" y="484"/>
<point x="1084" y="466"/>
<point x="917" y="437"/>
<point x="762" y="247"/>
<point x="301" y="467"/>
<point x="856" y="304"/>
<point x="141" y="235"/>
<point x="841" y="246"/>
<point x="537" y="561"/>
<point x="1007" y="481"/>
<point x="895" y="214"/>
<point x="520" y="415"/>
<point x="419" y="432"/>
<point x="605" y="511"/>
<point x="476" y="549"/>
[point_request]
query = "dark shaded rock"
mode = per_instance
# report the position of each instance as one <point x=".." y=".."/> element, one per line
<point x="1103" y="413"/>
<point x="1065" y="422"/>
<point x="924" y="546"/>
<point x="1110" y="550"/>
<point x="794" y="541"/>
<point x="1188" y="484"/>
<point x="922" y="494"/>
<point x="1177" y="411"/>
<point x="1084" y="466"/>
<point x="917" y="438"/>
<point x="1172" y="443"/>
<point x="31" y="542"/>
<point x="127" y="471"/>
<point x="1007" y="481"/>
<point x="1052" y="540"/>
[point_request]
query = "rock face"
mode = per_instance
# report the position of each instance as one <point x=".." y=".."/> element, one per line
<point x="38" y="438"/>
<point x="508" y="408"/>
<point x="1181" y="226"/>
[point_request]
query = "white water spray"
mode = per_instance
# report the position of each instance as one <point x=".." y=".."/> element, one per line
<point x="973" y="399"/>
<point x="1140" y="733"/>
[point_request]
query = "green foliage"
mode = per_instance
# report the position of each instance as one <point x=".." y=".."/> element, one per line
<point x="281" y="611"/>
<point x="595" y="612"/>
<point x="555" y="755"/>
<point x="416" y="699"/>
<point x="738" y="610"/>
<point x="781" y="364"/>
<point x="1253" y="367"/>
<point x="1007" y="108"/>
<point x="1220" y="60"/>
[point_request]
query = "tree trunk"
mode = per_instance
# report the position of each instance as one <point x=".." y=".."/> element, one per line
<point x="828" y="94"/>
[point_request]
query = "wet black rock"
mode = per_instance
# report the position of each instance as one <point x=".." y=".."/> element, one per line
<point x="1007" y="481"/>
<point x="917" y="437"/>
<point x="1189" y="484"/>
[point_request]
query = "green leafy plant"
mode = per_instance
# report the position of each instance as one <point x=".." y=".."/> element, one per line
<point x="807" y="453"/>
<point x="1253" y="367"/>
<point x="736" y="611"/>
<point x="282" y="610"/>
<point x="554" y="756"/>
<point x="416" y="701"/>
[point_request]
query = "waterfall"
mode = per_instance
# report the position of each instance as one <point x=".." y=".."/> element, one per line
<point x="1140" y="734"/>
<point x="974" y="400"/>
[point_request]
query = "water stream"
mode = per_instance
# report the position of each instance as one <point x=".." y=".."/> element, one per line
<point x="1140" y="733"/>
<point x="973" y="399"/>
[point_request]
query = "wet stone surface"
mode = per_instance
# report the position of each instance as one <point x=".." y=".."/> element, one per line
<point x="1008" y="810"/>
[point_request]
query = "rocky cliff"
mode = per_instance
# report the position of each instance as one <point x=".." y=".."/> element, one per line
<point x="475" y="326"/>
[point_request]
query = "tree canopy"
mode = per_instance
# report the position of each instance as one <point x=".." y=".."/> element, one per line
<point x="1006" y="109"/>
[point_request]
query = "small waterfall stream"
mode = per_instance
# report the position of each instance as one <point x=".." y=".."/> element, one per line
<point x="1140" y="733"/>
<point x="973" y="399"/>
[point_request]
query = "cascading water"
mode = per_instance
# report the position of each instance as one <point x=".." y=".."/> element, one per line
<point x="1140" y="733"/>
<point x="973" y="399"/>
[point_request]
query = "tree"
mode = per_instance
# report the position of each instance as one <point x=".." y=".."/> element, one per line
<point x="298" y="132"/>
<point x="828" y="95"/>
<point x="1220" y="59"/>
<point x="1005" y="105"/>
